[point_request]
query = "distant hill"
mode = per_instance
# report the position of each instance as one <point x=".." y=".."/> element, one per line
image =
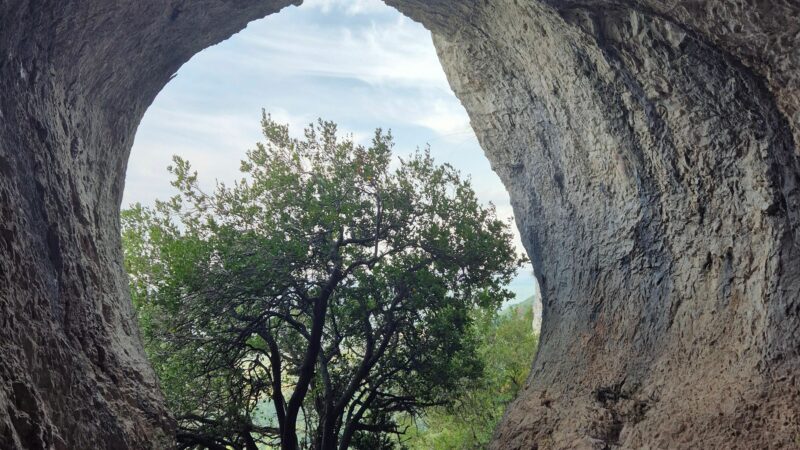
<point x="519" y="306"/>
<point x="533" y="302"/>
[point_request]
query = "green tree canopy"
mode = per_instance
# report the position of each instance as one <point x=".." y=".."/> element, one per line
<point x="315" y="300"/>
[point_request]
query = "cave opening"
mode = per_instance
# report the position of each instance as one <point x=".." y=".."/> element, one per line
<point x="363" y="65"/>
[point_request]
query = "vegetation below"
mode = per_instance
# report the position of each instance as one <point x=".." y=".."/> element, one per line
<point x="507" y="345"/>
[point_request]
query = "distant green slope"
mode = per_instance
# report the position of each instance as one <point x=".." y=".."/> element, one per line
<point x="513" y="308"/>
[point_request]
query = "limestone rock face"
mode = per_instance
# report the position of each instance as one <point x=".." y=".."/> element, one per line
<point x="649" y="147"/>
<point x="650" y="150"/>
<point x="75" y="79"/>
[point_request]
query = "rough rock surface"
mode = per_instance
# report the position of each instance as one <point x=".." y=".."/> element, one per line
<point x="76" y="76"/>
<point x="650" y="149"/>
<point x="649" y="153"/>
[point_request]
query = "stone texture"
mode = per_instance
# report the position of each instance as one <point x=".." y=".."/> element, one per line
<point x="649" y="153"/>
<point x="75" y="79"/>
<point x="649" y="147"/>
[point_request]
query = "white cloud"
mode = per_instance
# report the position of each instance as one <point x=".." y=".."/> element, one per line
<point x="447" y="119"/>
<point x="389" y="51"/>
<point x="349" y="7"/>
<point x="213" y="142"/>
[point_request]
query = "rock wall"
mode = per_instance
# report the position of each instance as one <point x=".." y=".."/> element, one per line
<point x="650" y="153"/>
<point x="649" y="148"/>
<point x="76" y="76"/>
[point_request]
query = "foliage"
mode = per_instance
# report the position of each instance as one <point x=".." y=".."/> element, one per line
<point x="317" y="299"/>
<point x="507" y="348"/>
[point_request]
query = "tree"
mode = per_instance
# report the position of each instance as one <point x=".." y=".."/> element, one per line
<point x="315" y="300"/>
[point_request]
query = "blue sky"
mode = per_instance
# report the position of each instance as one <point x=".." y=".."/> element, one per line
<point x="359" y="63"/>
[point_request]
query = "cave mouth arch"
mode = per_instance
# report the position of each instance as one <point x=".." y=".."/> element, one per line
<point x="650" y="149"/>
<point x="77" y="88"/>
<point x="206" y="119"/>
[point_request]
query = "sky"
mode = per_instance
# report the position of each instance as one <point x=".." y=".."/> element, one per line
<point x="358" y="63"/>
